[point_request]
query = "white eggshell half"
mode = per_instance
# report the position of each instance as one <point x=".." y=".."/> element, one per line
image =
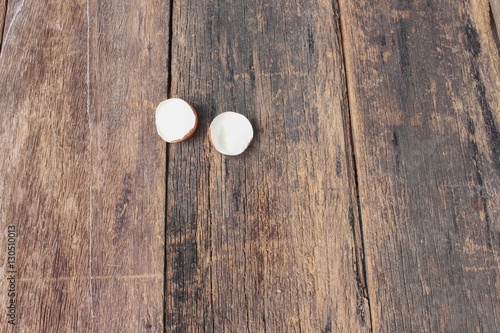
<point x="176" y="120"/>
<point x="231" y="133"/>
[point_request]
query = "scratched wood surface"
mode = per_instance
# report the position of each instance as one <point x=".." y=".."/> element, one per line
<point x="367" y="202"/>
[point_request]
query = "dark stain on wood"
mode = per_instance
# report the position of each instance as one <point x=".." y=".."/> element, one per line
<point x="472" y="40"/>
<point x="474" y="47"/>
<point x="185" y="263"/>
<point x="480" y="195"/>
<point x="310" y="40"/>
<point x="338" y="162"/>
<point x="395" y="140"/>
<point x="402" y="36"/>
<point x="351" y="218"/>
<point x="122" y="204"/>
<point x="237" y="194"/>
<point x="397" y="149"/>
<point x="402" y="42"/>
<point x="184" y="283"/>
<point x="328" y="327"/>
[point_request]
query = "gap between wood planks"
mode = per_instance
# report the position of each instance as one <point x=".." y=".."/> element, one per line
<point x="87" y="10"/>
<point x="169" y="93"/>
<point x="355" y="212"/>
<point x="5" y="28"/>
<point x="495" y="21"/>
<point x="3" y="20"/>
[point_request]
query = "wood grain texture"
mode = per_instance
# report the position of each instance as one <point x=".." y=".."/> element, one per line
<point x="44" y="171"/>
<point x="83" y="171"/>
<point x="262" y="242"/>
<point x="367" y="202"/>
<point x="423" y="88"/>
<point x="127" y="55"/>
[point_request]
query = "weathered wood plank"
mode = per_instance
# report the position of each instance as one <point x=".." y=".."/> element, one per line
<point x="423" y="88"/>
<point x="128" y="53"/>
<point x="83" y="173"/>
<point x="44" y="137"/>
<point x="263" y="241"/>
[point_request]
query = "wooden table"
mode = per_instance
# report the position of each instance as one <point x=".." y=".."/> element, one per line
<point x="368" y="201"/>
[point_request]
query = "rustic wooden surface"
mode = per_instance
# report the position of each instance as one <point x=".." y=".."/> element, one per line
<point x="127" y="188"/>
<point x="367" y="202"/>
<point x="82" y="170"/>
<point x="423" y="89"/>
<point x="262" y="242"/>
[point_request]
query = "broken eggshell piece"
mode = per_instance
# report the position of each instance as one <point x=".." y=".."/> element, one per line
<point x="230" y="133"/>
<point x="176" y="120"/>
